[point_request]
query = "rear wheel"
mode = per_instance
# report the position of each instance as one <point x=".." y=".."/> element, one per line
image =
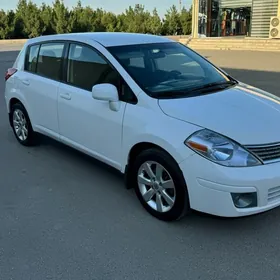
<point x="21" y="125"/>
<point x="160" y="185"/>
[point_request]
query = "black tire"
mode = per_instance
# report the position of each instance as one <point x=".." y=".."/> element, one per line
<point x="31" y="139"/>
<point x="181" y="203"/>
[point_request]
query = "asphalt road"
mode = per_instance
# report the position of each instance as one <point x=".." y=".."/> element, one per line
<point x="65" y="216"/>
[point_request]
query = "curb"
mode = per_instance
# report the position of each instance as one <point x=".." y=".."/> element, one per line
<point x="8" y="42"/>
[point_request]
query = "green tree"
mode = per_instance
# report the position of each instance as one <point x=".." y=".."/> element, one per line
<point x="76" y="18"/>
<point x="186" y="21"/>
<point x="29" y="20"/>
<point x="6" y="24"/>
<point x="19" y="19"/>
<point x="154" y="24"/>
<point x="136" y="19"/>
<point x="172" y="24"/>
<point x="98" y="26"/>
<point x="33" y="24"/>
<point x="81" y="19"/>
<point x="109" y="21"/>
<point x="47" y="19"/>
<point x="120" y="27"/>
<point x="60" y="17"/>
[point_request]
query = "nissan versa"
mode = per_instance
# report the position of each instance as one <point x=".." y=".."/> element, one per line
<point x="185" y="133"/>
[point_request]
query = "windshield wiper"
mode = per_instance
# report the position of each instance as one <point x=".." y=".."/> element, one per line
<point x="214" y="86"/>
<point x="201" y="89"/>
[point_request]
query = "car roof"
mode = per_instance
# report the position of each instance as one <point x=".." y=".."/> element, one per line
<point x="107" y="39"/>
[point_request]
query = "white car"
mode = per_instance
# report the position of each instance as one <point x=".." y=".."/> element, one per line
<point x="185" y="133"/>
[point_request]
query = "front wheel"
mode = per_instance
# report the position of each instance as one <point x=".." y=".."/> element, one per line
<point x="160" y="185"/>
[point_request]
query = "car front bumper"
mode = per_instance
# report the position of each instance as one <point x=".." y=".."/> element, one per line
<point x="210" y="186"/>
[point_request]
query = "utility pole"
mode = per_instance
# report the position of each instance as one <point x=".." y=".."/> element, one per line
<point x="195" y="10"/>
<point x="180" y="5"/>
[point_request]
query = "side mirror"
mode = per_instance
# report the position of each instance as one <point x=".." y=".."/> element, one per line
<point x="105" y="92"/>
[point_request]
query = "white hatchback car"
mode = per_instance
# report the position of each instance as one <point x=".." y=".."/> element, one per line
<point x="185" y="133"/>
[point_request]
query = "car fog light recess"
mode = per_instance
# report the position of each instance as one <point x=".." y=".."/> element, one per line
<point x="245" y="200"/>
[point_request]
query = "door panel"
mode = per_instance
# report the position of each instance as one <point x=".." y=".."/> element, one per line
<point x="41" y="96"/>
<point x="90" y="123"/>
<point x="39" y="84"/>
<point x="84" y="122"/>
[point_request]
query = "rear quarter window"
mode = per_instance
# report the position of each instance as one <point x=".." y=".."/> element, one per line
<point x="31" y="60"/>
<point x="19" y="62"/>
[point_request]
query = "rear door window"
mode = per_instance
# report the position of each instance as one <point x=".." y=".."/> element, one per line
<point x="50" y="60"/>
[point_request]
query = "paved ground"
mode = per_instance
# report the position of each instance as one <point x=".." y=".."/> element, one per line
<point x="66" y="216"/>
<point x="10" y="46"/>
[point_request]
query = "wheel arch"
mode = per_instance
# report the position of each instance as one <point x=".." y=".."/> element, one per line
<point x="135" y="150"/>
<point x="140" y="147"/>
<point x="12" y="102"/>
<point x="15" y="100"/>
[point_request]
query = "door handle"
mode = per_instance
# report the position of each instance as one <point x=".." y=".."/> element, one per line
<point x="25" y="82"/>
<point x="66" y="96"/>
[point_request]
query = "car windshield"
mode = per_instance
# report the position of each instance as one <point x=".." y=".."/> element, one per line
<point x="166" y="70"/>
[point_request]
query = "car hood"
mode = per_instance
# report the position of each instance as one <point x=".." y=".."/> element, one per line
<point x="246" y="114"/>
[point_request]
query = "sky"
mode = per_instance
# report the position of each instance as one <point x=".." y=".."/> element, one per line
<point x="116" y="6"/>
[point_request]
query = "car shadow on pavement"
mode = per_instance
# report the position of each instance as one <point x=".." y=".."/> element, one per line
<point x="74" y="155"/>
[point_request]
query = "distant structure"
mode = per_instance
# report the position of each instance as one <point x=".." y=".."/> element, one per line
<point x="221" y="18"/>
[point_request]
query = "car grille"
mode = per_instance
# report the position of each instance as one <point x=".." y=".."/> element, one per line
<point x="266" y="153"/>
<point x="273" y="194"/>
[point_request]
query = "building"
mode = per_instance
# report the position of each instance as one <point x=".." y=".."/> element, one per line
<point x="221" y="18"/>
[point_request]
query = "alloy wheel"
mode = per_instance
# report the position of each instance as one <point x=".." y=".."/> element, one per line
<point x="156" y="186"/>
<point x="20" y="125"/>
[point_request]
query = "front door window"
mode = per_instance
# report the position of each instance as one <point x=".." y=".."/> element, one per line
<point x="87" y="68"/>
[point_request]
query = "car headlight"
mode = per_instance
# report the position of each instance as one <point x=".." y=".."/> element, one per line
<point x="220" y="149"/>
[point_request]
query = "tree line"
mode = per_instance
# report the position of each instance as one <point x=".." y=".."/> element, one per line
<point x="29" y="20"/>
